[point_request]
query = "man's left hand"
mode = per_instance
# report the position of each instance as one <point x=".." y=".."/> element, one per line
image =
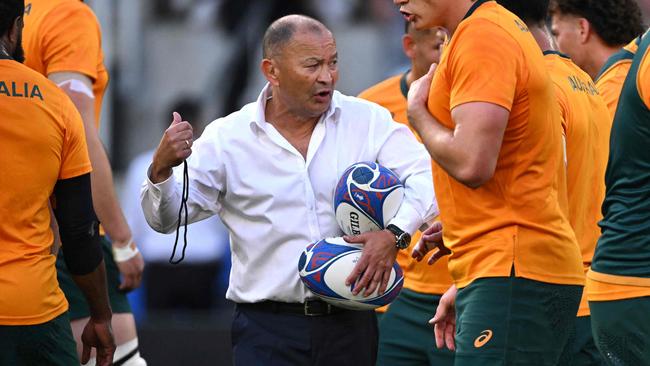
<point x="376" y="262"/>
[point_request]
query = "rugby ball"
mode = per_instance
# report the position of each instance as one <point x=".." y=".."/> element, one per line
<point x="324" y="266"/>
<point x="366" y="198"/>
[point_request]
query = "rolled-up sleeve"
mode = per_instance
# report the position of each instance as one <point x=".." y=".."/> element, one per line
<point x="404" y="155"/>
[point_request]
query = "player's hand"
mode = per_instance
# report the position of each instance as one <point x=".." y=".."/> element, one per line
<point x="431" y="239"/>
<point x="131" y="271"/>
<point x="418" y="97"/>
<point x="444" y="322"/>
<point x="99" y="335"/>
<point x="376" y="262"/>
<point x="175" y="146"/>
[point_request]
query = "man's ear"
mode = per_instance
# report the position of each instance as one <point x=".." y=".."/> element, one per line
<point x="270" y="71"/>
<point x="584" y="30"/>
<point x="408" y="45"/>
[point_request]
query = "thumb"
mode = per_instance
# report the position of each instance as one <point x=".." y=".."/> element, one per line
<point x="177" y="118"/>
<point x="432" y="70"/>
<point x="354" y="238"/>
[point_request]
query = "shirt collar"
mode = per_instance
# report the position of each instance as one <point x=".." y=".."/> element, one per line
<point x="474" y="7"/>
<point x="258" y="117"/>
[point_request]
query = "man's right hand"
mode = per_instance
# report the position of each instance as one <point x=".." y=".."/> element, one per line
<point x="99" y="335"/>
<point x="175" y="146"/>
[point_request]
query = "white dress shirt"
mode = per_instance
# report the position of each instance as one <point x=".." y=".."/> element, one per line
<point x="273" y="201"/>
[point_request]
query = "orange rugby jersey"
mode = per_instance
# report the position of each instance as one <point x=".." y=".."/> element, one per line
<point x="64" y="35"/>
<point x="42" y="140"/>
<point x="612" y="75"/>
<point x="418" y="276"/>
<point x="514" y="221"/>
<point x="585" y="120"/>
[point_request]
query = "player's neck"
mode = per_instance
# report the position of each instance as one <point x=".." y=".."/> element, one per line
<point x="542" y="37"/>
<point x="599" y="54"/>
<point x="456" y="14"/>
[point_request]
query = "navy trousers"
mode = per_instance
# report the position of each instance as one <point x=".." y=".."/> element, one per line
<point x="263" y="338"/>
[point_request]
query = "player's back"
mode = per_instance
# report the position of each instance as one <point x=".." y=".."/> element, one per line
<point x="585" y="122"/>
<point x="42" y="141"/>
<point x="64" y="36"/>
<point x="516" y="217"/>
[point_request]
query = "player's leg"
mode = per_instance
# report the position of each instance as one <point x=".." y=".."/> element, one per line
<point x="581" y="349"/>
<point x="621" y="330"/>
<point x="513" y="321"/>
<point x="50" y="343"/>
<point x="405" y="336"/>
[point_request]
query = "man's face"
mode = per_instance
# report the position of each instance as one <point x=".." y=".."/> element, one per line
<point x="425" y="48"/>
<point x="18" y="53"/>
<point x="567" y="33"/>
<point x="308" y="72"/>
<point x="424" y="14"/>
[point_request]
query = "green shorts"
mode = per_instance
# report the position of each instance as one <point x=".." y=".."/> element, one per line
<point x="78" y="307"/>
<point x="405" y="336"/>
<point x="514" y="321"/>
<point x="581" y="349"/>
<point x="50" y="343"/>
<point x="621" y="330"/>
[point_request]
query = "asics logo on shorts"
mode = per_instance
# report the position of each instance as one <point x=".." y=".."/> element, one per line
<point x="481" y="340"/>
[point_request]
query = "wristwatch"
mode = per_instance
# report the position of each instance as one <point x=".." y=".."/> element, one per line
<point x="402" y="238"/>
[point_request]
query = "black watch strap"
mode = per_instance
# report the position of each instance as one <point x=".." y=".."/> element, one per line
<point x="402" y="238"/>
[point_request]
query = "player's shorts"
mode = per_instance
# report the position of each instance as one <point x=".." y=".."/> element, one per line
<point x="405" y="336"/>
<point x="78" y="306"/>
<point x="50" y="343"/>
<point x="581" y="350"/>
<point x="621" y="330"/>
<point x="514" y="321"/>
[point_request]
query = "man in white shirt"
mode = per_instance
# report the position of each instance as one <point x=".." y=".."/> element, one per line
<point x="269" y="171"/>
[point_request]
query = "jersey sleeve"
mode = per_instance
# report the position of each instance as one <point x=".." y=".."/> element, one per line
<point x="74" y="158"/>
<point x="483" y="66"/>
<point x="71" y="40"/>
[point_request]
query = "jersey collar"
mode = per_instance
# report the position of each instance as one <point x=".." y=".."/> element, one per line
<point x="552" y="52"/>
<point x="403" y="85"/>
<point x="474" y="7"/>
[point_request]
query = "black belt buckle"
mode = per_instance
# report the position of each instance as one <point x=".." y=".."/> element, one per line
<point x="317" y="308"/>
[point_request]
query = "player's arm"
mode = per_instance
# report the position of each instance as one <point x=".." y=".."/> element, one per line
<point x="79" y="88"/>
<point x="470" y="151"/>
<point x="82" y="252"/>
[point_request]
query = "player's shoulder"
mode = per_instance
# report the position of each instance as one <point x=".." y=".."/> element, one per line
<point x="350" y="107"/>
<point x="18" y="79"/>
<point x="383" y="88"/>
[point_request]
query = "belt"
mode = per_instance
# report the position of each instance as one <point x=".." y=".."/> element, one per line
<point x="311" y="307"/>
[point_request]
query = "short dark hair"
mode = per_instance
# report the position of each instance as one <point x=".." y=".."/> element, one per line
<point x="532" y="12"/>
<point x="617" y="22"/>
<point x="282" y="30"/>
<point x="9" y="11"/>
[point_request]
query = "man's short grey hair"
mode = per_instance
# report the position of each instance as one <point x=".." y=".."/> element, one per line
<point x="282" y="30"/>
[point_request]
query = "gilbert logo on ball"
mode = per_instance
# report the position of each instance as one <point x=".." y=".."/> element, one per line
<point x="324" y="266"/>
<point x="367" y="196"/>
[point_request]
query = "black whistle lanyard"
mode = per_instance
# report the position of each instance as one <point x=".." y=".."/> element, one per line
<point x="184" y="196"/>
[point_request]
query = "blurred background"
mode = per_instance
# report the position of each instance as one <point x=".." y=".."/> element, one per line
<point x="201" y="58"/>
